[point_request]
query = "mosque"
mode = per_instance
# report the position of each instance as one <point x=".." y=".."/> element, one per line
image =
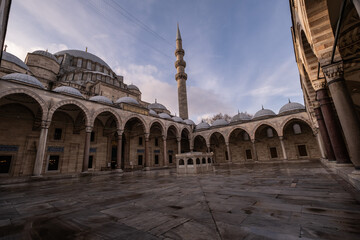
<point x="69" y="113"/>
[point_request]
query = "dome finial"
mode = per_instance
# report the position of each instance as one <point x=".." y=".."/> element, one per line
<point x="262" y="107"/>
<point x="238" y="111"/>
<point x="5" y="47"/>
<point x="289" y="100"/>
<point x="155" y="100"/>
<point x="178" y="35"/>
<point x="86" y="49"/>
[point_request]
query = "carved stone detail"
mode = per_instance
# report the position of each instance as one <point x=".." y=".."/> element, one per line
<point x="333" y="71"/>
<point x="318" y="84"/>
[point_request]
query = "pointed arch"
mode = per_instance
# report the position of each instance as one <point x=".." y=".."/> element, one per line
<point x="111" y="111"/>
<point x="71" y="102"/>
<point x="291" y="118"/>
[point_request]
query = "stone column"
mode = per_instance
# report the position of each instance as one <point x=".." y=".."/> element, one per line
<point x="165" y="149"/>
<point x="178" y="140"/>
<point x="85" y="166"/>
<point x="254" y="149"/>
<point x="321" y="147"/>
<point x="332" y="127"/>
<point x="191" y="143"/>
<point x="119" y="149"/>
<point x="345" y="109"/>
<point x="147" y="157"/>
<point x="228" y="151"/>
<point x="41" y="148"/>
<point x="283" y="147"/>
<point x="324" y="134"/>
<point x="208" y="148"/>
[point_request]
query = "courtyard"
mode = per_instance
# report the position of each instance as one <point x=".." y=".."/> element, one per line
<point x="253" y="201"/>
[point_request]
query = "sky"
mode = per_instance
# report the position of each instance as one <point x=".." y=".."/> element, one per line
<point x="239" y="53"/>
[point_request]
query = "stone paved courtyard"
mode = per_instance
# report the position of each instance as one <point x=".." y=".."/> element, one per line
<point x="256" y="201"/>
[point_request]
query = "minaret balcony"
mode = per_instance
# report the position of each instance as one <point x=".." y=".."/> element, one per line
<point x="179" y="52"/>
<point x="181" y="75"/>
<point x="181" y="63"/>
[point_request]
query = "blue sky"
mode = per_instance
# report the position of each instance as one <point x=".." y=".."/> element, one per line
<point x="239" y="53"/>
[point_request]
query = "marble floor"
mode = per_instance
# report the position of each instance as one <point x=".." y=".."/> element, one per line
<point x="254" y="201"/>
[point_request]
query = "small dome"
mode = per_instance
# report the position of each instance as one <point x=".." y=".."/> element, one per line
<point x="241" y="117"/>
<point x="100" y="99"/>
<point x="127" y="100"/>
<point x="164" y="115"/>
<point x="133" y="87"/>
<point x="153" y="113"/>
<point x="68" y="90"/>
<point x="45" y="54"/>
<point x="178" y="119"/>
<point x="219" y="122"/>
<point x="264" y="113"/>
<point x="291" y="106"/>
<point x="14" y="59"/>
<point x="156" y="105"/>
<point x="189" y="122"/>
<point x="24" y="78"/>
<point x="202" y="125"/>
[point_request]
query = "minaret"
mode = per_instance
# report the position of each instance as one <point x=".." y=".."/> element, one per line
<point x="181" y="76"/>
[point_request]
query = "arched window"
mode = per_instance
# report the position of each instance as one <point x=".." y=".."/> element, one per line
<point x="246" y="136"/>
<point x="269" y="133"/>
<point x="296" y="128"/>
<point x="181" y="162"/>
<point x="190" y="162"/>
<point x="203" y="160"/>
<point x="197" y="161"/>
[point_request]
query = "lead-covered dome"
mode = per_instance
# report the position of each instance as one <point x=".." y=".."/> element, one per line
<point x="264" y="113"/>
<point x="153" y="113"/>
<point x="100" y="99"/>
<point x="241" y="117"/>
<point x="84" y="55"/>
<point x="45" y="54"/>
<point x="219" y="122"/>
<point x="291" y="106"/>
<point x="189" y="122"/>
<point x="68" y="90"/>
<point x="23" y="78"/>
<point x="178" y="119"/>
<point x="127" y="100"/>
<point x="202" y="125"/>
<point x="156" y="105"/>
<point x="14" y="59"/>
<point x="164" y="115"/>
<point x="133" y="87"/>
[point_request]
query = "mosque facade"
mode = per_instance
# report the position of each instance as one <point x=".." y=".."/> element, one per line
<point x="69" y="113"/>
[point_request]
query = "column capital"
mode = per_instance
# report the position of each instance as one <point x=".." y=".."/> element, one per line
<point x="253" y="140"/>
<point x="227" y="144"/>
<point x="88" y="129"/>
<point x="147" y="135"/>
<point x="164" y="137"/>
<point x="333" y="72"/>
<point x="178" y="139"/>
<point x="45" y="124"/>
<point x="281" y="138"/>
<point x="120" y="132"/>
<point x="318" y="84"/>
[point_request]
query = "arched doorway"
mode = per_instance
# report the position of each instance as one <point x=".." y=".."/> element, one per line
<point x="218" y="146"/>
<point x="267" y="143"/>
<point x="172" y="146"/>
<point x="299" y="140"/>
<point x="156" y="145"/>
<point x="240" y="146"/>
<point x="200" y="144"/>
<point x="185" y="143"/>
<point x="134" y="144"/>
<point x="20" y="118"/>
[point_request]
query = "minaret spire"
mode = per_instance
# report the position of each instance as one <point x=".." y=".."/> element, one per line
<point x="181" y="76"/>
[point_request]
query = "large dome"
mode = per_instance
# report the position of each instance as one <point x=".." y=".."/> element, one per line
<point x="84" y="55"/>
<point x="241" y="117"/>
<point x="24" y="78"/>
<point x="219" y="122"/>
<point x="45" y="54"/>
<point x="14" y="59"/>
<point x="68" y="90"/>
<point x="291" y="106"/>
<point x="156" y="105"/>
<point x="100" y="99"/>
<point x="202" y="125"/>
<point x="127" y="100"/>
<point x="264" y="113"/>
